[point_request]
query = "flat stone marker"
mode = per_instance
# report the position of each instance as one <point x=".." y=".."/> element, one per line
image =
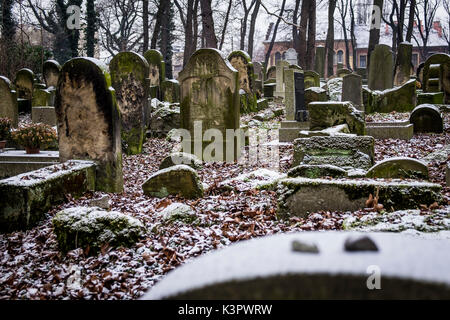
<point x="8" y="102"/>
<point x="352" y="90"/>
<point x="88" y="120"/>
<point x="269" y="268"/>
<point x="210" y="100"/>
<point x="129" y="72"/>
<point x="381" y="68"/>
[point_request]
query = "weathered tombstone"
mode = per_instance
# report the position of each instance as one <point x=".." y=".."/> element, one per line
<point x="258" y="70"/>
<point x="403" y="65"/>
<point x="89" y="120"/>
<point x="24" y="87"/>
<point x="157" y="73"/>
<point x="272" y="73"/>
<point x="129" y="72"/>
<point x="381" y="68"/>
<point x="281" y="65"/>
<point x="400" y="99"/>
<point x="352" y="90"/>
<point x="419" y="73"/>
<point x="51" y="73"/>
<point x="312" y="79"/>
<point x="435" y="59"/>
<point x="171" y="91"/>
<point x="8" y="101"/>
<point x="445" y="81"/>
<point x="319" y="63"/>
<point x="343" y="72"/>
<point x="242" y="62"/>
<point x="42" y="97"/>
<point x="44" y="115"/>
<point x="209" y="100"/>
<point x="291" y="56"/>
<point x="427" y="118"/>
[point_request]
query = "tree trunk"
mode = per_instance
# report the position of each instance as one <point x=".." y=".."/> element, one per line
<point x="251" y="34"/>
<point x="91" y="28"/>
<point x="188" y="33"/>
<point x="159" y="15"/>
<point x="301" y="36"/>
<point x="294" y="21"/>
<point x="208" y="24"/>
<point x="410" y="29"/>
<point x="311" y="43"/>
<point x="329" y="42"/>
<point x="353" y="36"/>
<point x="145" y="25"/>
<point x="374" y="37"/>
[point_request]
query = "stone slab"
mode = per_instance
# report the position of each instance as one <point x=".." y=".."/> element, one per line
<point x="290" y="130"/>
<point x="45" y="115"/>
<point x="26" y="198"/>
<point x="390" y="130"/>
<point x="15" y="162"/>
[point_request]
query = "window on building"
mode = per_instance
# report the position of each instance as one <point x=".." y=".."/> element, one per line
<point x="340" y="56"/>
<point x="277" y="57"/>
<point x="283" y="56"/>
<point x="415" y="60"/>
<point x="363" y="61"/>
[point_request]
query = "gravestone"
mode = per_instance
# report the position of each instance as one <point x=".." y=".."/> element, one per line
<point x="129" y="72"/>
<point x="171" y="91"/>
<point x="352" y="90"/>
<point x="445" y="81"/>
<point x="296" y="112"/>
<point x="319" y="63"/>
<point x="291" y="56"/>
<point x="51" y="73"/>
<point x="427" y="118"/>
<point x="381" y="68"/>
<point x="42" y="97"/>
<point x="24" y="87"/>
<point x="312" y="79"/>
<point x="209" y="100"/>
<point x="258" y="70"/>
<point x="435" y="59"/>
<point x="403" y="65"/>
<point x="44" y="115"/>
<point x="89" y="121"/>
<point x="8" y="101"/>
<point x="272" y="73"/>
<point x="281" y="65"/>
<point x="157" y="71"/>
<point x="242" y="62"/>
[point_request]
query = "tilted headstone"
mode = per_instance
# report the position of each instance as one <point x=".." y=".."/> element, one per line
<point x="89" y="120"/>
<point x="403" y="65"/>
<point x="52" y="68"/>
<point x="129" y="71"/>
<point x="209" y="100"/>
<point x="157" y="72"/>
<point x="319" y="63"/>
<point x="291" y="56"/>
<point x="312" y="79"/>
<point x="352" y="90"/>
<point x="435" y="59"/>
<point x="8" y="101"/>
<point x="381" y="68"/>
<point x="281" y="65"/>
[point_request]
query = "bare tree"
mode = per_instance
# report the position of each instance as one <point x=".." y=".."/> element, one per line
<point x="145" y="24"/>
<point x="251" y="34"/>
<point x="410" y="30"/>
<point x="343" y="10"/>
<point x="188" y="16"/>
<point x="446" y="31"/>
<point x="425" y="13"/>
<point x="246" y="7"/>
<point x="274" y="33"/>
<point x="118" y="22"/>
<point x="224" y="29"/>
<point x="162" y="5"/>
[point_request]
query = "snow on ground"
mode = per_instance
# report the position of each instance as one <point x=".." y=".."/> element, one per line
<point x="31" y="267"/>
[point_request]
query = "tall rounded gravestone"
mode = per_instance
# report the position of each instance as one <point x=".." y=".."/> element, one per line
<point x="89" y="121"/>
<point x="129" y="72"/>
<point x="52" y="68"/>
<point x="427" y="118"/>
<point x="8" y="101"/>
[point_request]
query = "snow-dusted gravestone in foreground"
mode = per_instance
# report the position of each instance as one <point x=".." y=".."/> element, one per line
<point x="88" y="120"/>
